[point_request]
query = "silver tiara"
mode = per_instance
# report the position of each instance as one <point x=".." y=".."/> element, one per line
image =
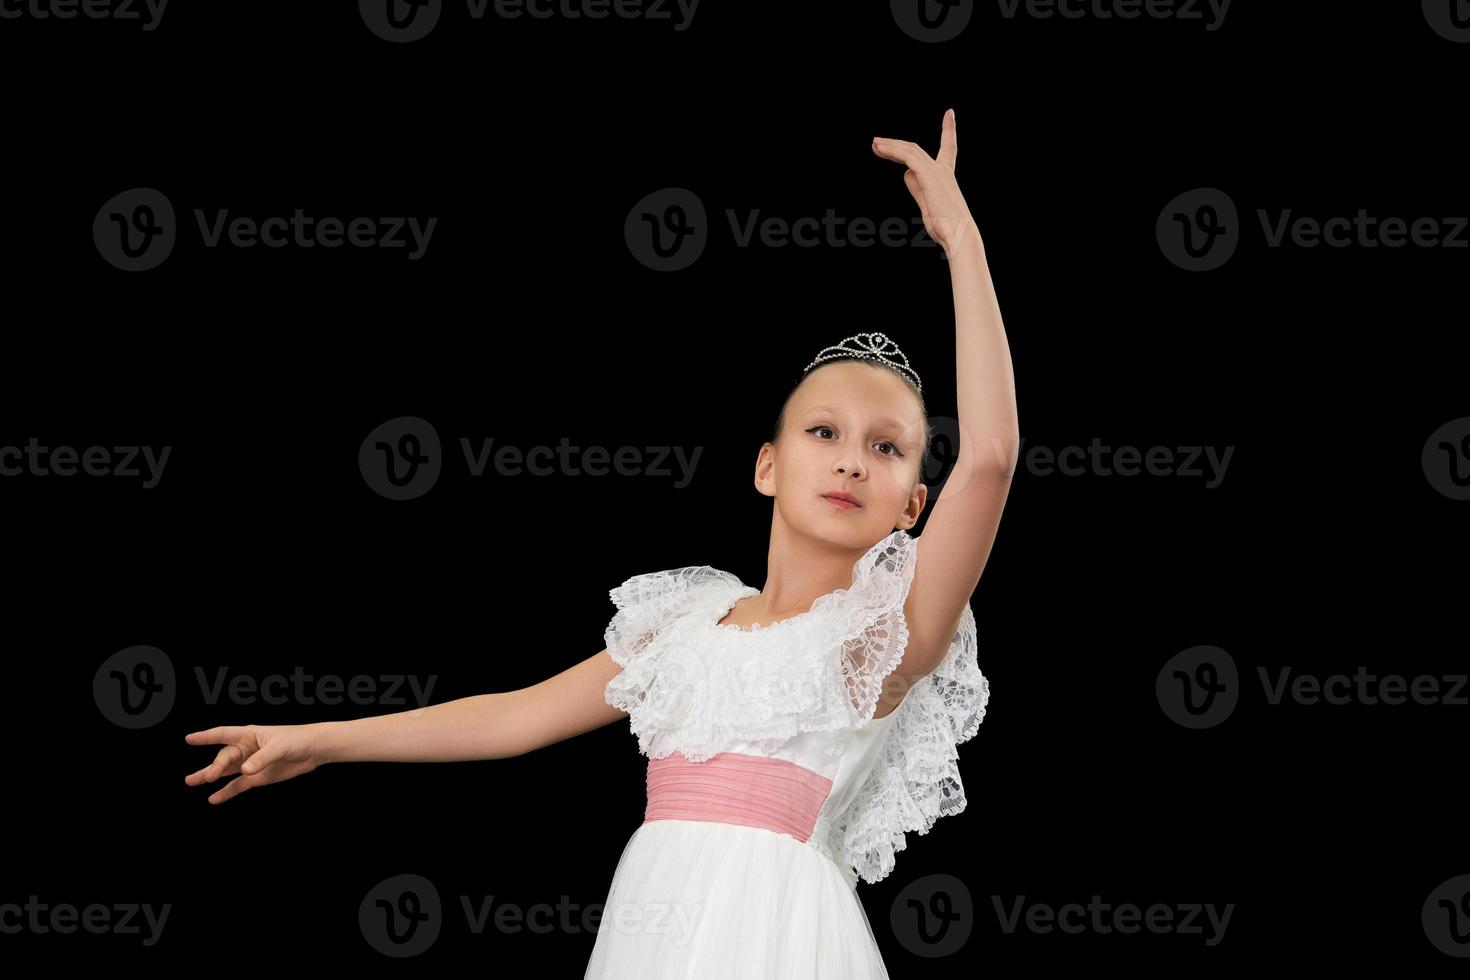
<point x="869" y="347"/>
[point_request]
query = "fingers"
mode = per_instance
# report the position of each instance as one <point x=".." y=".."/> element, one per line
<point x="276" y="774"/>
<point x="267" y="754"/>
<point x="902" y="151"/>
<point x="234" y="788"/>
<point x="905" y="151"/>
<point x="948" y="143"/>
<point x="223" y="733"/>
<point x="226" y="762"/>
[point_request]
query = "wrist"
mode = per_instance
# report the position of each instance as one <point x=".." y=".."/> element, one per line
<point x="965" y="242"/>
<point x="327" y="740"/>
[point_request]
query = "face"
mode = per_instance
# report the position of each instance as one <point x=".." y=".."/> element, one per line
<point x="854" y="428"/>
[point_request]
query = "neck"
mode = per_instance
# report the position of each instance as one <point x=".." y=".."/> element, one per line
<point x="800" y="569"/>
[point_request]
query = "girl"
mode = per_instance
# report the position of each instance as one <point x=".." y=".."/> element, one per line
<point x="796" y="732"/>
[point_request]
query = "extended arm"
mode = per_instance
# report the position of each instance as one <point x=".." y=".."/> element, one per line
<point x="485" y="726"/>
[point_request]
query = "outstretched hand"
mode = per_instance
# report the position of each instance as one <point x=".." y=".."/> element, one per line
<point x="263" y="754"/>
<point x="932" y="182"/>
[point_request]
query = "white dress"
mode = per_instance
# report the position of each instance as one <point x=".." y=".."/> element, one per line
<point x="771" y="787"/>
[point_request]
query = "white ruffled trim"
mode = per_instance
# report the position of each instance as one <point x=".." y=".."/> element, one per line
<point x="647" y="605"/>
<point x="917" y="779"/>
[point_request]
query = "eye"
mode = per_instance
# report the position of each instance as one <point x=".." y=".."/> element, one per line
<point x="893" y="446"/>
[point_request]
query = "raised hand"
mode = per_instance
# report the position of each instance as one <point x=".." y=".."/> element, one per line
<point x="263" y="753"/>
<point x="932" y="182"/>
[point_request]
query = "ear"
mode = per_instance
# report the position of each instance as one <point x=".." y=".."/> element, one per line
<point x="915" y="506"/>
<point x="765" y="467"/>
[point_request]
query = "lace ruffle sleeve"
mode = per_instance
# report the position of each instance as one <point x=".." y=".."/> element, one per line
<point x="916" y="779"/>
<point x="647" y="605"/>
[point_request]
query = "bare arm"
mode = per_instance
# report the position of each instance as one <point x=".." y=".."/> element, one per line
<point x="485" y="726"/>
<point x="963" y="523"/>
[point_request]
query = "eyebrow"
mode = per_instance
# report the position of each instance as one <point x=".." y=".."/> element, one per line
<point x="891" y="423"/>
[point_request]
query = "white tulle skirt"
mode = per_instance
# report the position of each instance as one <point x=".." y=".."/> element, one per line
<point x="699" y="900"/>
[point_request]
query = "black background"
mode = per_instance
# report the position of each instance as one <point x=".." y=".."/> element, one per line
<point x="529" y="320"/>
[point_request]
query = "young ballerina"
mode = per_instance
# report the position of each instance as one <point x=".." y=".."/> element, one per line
<point x="795" y="733"/>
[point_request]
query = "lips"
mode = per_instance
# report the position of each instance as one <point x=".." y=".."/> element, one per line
<point x="838" y="495"/>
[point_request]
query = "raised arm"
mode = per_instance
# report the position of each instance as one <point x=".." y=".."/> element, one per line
<point x="956" y="542"/>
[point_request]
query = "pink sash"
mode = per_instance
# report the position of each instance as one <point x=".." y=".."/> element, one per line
<point x="749" y="790"/>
